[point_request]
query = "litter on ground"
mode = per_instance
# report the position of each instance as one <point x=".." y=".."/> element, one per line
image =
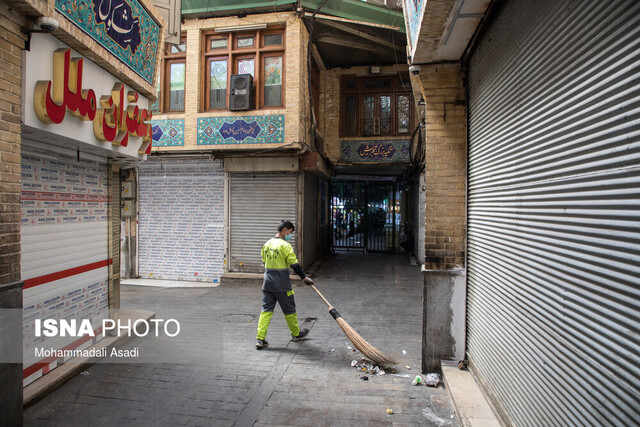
<point x="431" y="416"/>
<point x="368" y="367"/>
<point x="432" y="380"/>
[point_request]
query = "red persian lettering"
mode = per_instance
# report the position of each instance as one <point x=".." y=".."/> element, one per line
<point x="112" y="120"/>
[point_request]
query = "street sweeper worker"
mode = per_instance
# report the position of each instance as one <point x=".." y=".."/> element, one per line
<point x="278" y="256"/>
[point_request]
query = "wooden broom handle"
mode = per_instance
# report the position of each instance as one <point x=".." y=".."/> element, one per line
<point x="323" y="298"/>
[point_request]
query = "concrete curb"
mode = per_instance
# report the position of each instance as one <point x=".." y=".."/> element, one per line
<point x="58" y="376"/>
<point x="470" y="405"/>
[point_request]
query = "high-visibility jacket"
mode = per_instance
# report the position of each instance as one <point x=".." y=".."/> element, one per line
<point x="278" y="257"/>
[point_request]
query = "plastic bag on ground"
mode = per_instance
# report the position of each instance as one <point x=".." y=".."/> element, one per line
<point x="431" y="416"/>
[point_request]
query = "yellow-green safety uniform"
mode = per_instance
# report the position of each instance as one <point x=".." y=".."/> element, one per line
<point x="278" y="256"/>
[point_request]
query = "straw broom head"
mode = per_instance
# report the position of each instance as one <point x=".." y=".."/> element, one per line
<point x="363" y="346"/>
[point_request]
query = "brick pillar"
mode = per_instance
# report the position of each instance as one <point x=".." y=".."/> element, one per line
<point x="11" y="45"/>
<point x="442" y="86"/>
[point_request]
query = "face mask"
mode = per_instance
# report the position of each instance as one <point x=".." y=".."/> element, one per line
<point x="287" y="237"/>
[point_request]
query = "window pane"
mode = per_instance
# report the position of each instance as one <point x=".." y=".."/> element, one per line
<point x="403" y="114"/>
<point x="350" y="85"/>
<point x="218" y="84"/>
<point x="351" y="115"/>
<point x="245" y="41"/>
<point x="273" y="81"/>
<point x="377" y="84"/>
<point x="385" y="114"/>
<point x="219" y="44"/>
<point x="273" y="40"/>
<point x="176" y="87"/>
<point x="179" y="48"/>
<point x="369" y="115"/>
<point x="245" y="66"/>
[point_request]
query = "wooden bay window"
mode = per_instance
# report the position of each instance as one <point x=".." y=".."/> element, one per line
<point x="375" y="106"/>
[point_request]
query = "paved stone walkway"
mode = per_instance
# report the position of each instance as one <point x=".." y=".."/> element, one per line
<point x="225" y="381"/>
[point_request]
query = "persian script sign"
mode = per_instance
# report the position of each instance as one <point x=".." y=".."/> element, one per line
<point x="240" y="130"/>
<point x="123" y="27"/>
<point x="113" y="121"/>
<point x="375" y="151"/>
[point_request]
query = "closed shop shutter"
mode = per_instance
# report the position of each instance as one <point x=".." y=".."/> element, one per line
<point x="181" y="204"/>
<point x="64" y="247"/>
<point x="554" y="212"/>
<point x="259" y="202"/>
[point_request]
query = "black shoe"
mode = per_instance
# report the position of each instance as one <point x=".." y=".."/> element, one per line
<point x="260" y="344"/>
<point x="303" y="333"/>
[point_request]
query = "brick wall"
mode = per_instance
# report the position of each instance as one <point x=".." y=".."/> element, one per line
<point x="329" y="120"/>
<point x="296" y="98"/>
<point x="11" y="44"/>
<point x="445" y="172"/>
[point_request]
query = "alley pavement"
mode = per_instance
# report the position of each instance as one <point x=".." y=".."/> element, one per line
<point x="225" y="381"/>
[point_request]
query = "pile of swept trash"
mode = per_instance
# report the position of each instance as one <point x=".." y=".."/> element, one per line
<point x="368" y="367"/>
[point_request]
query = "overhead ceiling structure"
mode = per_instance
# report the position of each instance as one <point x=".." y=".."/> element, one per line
<point x="440" y="30"/>
<point x="344" y="33"/>
<point x="348" y="33"/>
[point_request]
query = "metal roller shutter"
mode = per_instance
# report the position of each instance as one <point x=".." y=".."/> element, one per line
<point x="259" y="202"/>
<point x="181" y="219"/>
<point x="554" y="212"/>
<point x="64" y="246"/>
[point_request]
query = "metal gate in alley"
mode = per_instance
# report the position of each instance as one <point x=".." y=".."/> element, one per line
<point x="365" y="216"/>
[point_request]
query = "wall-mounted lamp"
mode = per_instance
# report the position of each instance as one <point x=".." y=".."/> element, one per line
<point x="422" y="104"/>
<point x="241" y="28"/>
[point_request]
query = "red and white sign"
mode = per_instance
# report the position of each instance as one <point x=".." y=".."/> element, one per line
<point x="70" y="96"/>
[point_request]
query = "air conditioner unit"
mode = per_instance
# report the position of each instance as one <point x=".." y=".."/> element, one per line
<point x="241" y="92"/>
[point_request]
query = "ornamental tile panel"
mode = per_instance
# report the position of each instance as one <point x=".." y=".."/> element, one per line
<point x="123" y="27"/>
<point x="167" y="133"/>
<point x="241" y="130"/>
<point x="375" y="151"/>
<point x="414" y="13"/>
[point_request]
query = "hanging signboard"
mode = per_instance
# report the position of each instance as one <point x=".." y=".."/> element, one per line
<point x="102" y="111"/>
<point x="375" y="151"/>
<point x="124" y="28"/>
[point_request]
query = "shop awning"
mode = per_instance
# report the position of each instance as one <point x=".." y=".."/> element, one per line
<point x="356" y="10"/>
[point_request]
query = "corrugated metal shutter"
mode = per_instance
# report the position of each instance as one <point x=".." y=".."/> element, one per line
<point x="554" y="212"/>
<point x="64" y="246"/>
<point x="181" y="219"/>
<point x="259" y="202"/>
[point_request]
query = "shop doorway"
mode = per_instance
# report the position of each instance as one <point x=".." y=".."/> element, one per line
<point x="366" y="216"/>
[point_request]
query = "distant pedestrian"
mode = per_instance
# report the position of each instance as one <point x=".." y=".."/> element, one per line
<point x="278" y="256"/>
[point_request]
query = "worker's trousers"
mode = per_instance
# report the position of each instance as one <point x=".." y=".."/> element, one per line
<point x="288" y="306"/>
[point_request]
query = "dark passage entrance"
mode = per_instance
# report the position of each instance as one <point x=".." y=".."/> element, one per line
<point x="365" y="215"/>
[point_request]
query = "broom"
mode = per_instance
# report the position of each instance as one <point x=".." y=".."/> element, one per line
<point x="365" y="348"/>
